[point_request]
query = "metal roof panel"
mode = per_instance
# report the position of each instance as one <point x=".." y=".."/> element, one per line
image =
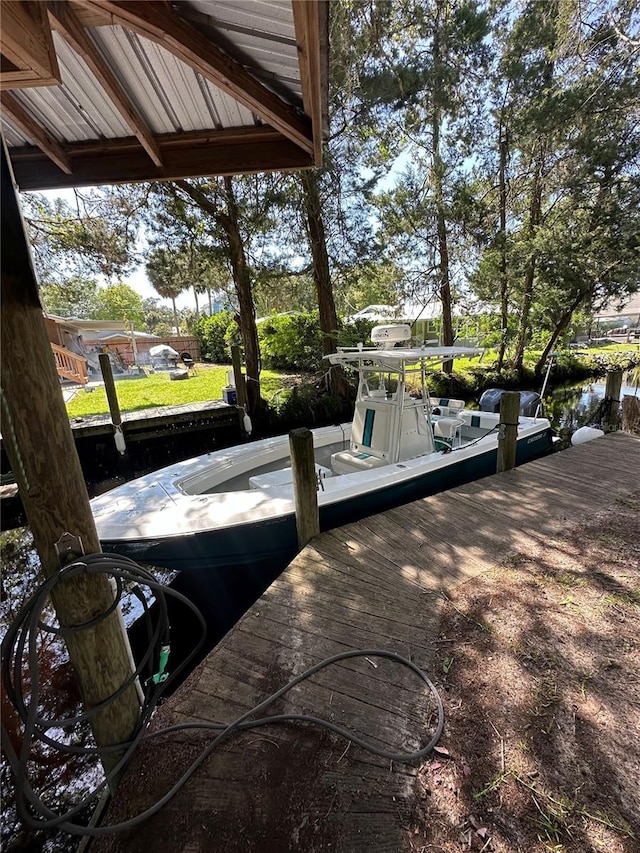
<point x="179" y="106"/>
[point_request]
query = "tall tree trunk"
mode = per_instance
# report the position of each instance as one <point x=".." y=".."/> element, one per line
<point x="438" y="182"/>
<point x="535" y="213"/>
<point x="229" y="222"/>
<point x="242" y="280"/>
<point x="502" y="238"/>
<point x="535" y="217"/>
<point x="195" y="296"/>
<point x="322" y="276"/>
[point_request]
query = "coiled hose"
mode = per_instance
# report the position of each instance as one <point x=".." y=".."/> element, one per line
<point x="34" y="812"/>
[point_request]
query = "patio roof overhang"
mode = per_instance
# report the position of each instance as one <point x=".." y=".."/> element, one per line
<point x="99" y="91"/>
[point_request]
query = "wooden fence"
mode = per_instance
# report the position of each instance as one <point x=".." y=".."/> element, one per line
<point x="122" y="345"/>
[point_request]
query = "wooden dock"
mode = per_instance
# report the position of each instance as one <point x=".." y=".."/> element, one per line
<point x="377" y="583"/>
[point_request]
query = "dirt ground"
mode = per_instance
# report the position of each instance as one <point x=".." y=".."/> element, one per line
<point x="539" y="670"/>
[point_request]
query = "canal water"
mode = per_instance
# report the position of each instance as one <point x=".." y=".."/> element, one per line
<point x="574" y="406"/>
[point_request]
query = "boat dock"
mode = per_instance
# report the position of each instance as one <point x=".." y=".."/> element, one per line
<point x="377" y="583"/>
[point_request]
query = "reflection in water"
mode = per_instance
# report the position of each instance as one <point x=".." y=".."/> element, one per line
<point x="574" y="406"/>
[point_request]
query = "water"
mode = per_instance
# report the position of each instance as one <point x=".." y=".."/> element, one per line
<point x="573" y="406"/>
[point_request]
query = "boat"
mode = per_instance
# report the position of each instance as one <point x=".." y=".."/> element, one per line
<point x="235" y="506"/>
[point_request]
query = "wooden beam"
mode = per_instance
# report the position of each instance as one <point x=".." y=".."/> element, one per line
<point x="64" y="20"/>
<point x="229" y="152"/>
<point x="42" y="453"/>
<point x="17" y="114"/>
<point x="26" y="41"/>
<point x="306" y="17"/>
<point x="157" y="22"/>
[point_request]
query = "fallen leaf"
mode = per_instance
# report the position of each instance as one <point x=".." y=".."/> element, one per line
<point x="442" y="750"/>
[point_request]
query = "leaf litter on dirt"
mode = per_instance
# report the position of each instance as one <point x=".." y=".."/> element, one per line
<point x="542" y="735"/>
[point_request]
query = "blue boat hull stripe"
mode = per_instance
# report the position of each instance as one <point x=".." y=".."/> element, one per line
<point x="368" y="427"/>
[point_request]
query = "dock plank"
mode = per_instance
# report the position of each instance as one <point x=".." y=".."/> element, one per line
<point x="374" y="583"/>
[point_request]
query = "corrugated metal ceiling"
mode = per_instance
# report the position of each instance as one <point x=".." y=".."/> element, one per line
<point x="169" y="95"/>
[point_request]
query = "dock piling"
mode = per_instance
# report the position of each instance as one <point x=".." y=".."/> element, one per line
<point x="241" y="388"/>
<point x="112" y="399"/>
<point x="611" y="409"/>
<point x="305" y="493"/>
<point x="508" y="434"/>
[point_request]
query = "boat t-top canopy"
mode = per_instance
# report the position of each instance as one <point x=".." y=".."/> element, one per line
<point x="399" y="358"/>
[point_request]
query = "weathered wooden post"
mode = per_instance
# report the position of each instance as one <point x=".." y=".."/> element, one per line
<point x="42" y="453"/>
<point x="631" y="414"/>
<point x="508" y="434"/>
<point x="305" y="490"/>
<point x="112" y="398"/>
<point x="611" y="408"/>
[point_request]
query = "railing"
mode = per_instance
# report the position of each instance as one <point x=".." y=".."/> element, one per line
<point x="70" y="365"/>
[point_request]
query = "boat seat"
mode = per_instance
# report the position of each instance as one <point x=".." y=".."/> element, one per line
<point x="446" y="406"/>
<point x="445" y="431"/>
<point x="350" y="461"/>
<point x="282" y="477"/>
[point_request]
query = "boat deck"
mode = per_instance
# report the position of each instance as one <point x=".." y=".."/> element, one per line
<point x="375" y="583"/>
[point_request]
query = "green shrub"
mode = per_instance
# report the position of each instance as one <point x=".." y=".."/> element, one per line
<point x="211" y="334"/>
<point x="306" y="405"/>
<point x="291" y="342"/>
<point x="233" y="337"/>
<point x="351" y="334"/>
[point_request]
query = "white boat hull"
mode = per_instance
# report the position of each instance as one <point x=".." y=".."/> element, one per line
<point x="196" y="515"/>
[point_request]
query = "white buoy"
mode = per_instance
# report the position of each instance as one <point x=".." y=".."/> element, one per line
<point x="585" y="434"/>
<point x="119" y="439"/>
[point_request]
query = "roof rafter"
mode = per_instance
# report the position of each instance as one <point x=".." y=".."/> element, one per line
<point x="25" y="41"/>
<point x="305" y="17"/>
<point x="16" y="113"/>
<point x="157" y="22"/>
<point x="188" y="155"/>
<point x="64" y="20"/>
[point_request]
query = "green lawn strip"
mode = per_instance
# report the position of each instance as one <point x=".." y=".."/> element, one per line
<point x="157" y="389"/>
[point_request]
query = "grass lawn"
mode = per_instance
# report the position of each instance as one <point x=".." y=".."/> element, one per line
<point x="157" y="389"/>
